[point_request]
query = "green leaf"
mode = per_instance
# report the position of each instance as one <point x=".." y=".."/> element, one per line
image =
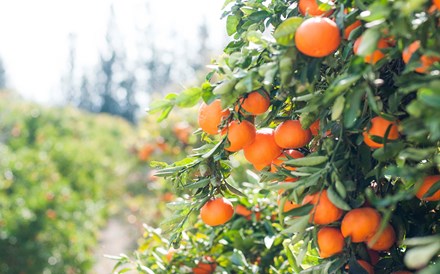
<point x="369" y="42"/>
<point x="307" y="161"/>
<point x="420" y="256"/>
<point x="189" y="97"/>
<point x="300" y="211"/>
<point x="338" y="107"/>
<point x="297" y="225"/>
<point x="284" y="34"/>
<point x="231" y="24"/>
<point x="352" y="108"/>
<point x="433" y="189"/>
<point x="258" y="16"/>
<point x="430" y="97"/>
<point x="198" y="184"/>
<point x="225" y="87"/>
<point x="337" y="200"/>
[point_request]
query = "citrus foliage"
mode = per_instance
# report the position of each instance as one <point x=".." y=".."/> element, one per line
<point x="59" y="171"/>
<point x="367" y="100"/>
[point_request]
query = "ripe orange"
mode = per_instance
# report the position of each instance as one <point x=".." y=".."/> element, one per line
<point x="379" y="127"/>
<point x="255" y="103"/>
<point x="207" y="267"/>
<point x="426" y="61"/>
<point x="317" y="37"/>
<point x="311" y="7"/>
<point x="427" y="184"/>
<point x="260" y="167"/>
<point x="263" y="149"/>
<point x="182" y="131"/>
<point x="324" y="211"/>
<point x="330" y="241"/>
<point x="217" y="211"/>
<point x="288" y="205"/>
<point x="436" y="3"/>
<point x="240" y="135"/>
<point x="377" y="55"/>
<point x="210" y="116"/>
<point x="360" y="224"/>
<point x="368" y="267"/>
<point x="350" y="28"/>
<point x="386" y="239"/>
<point x="242" y="210"/>
<point x="145" y="152"/>
<point x="290" y="134"/>
<point x="314" y="128"/>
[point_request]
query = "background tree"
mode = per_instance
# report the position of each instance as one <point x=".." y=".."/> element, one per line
<point x="340" y="105"/>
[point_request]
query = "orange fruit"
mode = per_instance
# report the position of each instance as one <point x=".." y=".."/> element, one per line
<point x="263" y="149"/>
<point x="314" y="128"/>
<point x="182" y="131"/>
<point x="386" y="239"/>
<point x="379" y="127"/>
<point x="427" y="184"/>
<point x="360" y="224"/>
<point x="145" y="152"/>
<point x="311" y="7"/>
<point x="242" y="210"/>
<point x="377" y="55"/>
<point x="436" y="3"/>
<point x="290" y="134"/>
<point x="240" y="135"/>
<point x="217" y="211"/>
<point x="210" y="116"/>
<point x="260" y="167"/>
<point x="288" y="205"/>
<point x="255" y="103"/>
<point x="324" y="212"/>
<point x="368" y="267"/>
<point x="317" y="37"/>
<point x="350" y="28"/>
<point x="330" y="241"/>
<point x="207" y="267"/>
<point x="426" y="61"/>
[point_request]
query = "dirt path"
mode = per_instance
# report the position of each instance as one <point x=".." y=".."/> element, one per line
<point x="118" y="237"/>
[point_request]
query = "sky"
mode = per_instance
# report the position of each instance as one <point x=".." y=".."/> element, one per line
<point x="34" y="35"/>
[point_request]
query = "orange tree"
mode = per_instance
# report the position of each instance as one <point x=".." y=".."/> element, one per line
<point x="354" y="86"/>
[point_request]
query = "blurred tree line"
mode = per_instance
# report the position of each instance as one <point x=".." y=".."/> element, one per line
<point x="118" y="84"/>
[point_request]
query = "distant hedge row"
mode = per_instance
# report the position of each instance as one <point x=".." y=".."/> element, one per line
<point x="59" y="169"/>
